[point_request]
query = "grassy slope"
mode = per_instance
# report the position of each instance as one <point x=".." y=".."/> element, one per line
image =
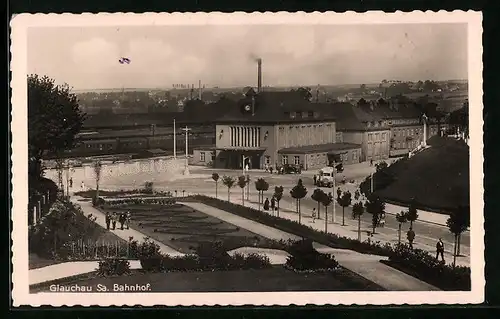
<point x="438" y="177"/>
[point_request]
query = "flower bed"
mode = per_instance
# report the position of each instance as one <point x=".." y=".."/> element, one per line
<point x="138" y="201"/>
<point x="416" y="263"/>
<point x="122" y="193"/>
<point x="304" y="258"/>
<point x="437" y="273"/>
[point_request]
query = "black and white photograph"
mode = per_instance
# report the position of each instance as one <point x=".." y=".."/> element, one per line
<point x="265" y="159"/>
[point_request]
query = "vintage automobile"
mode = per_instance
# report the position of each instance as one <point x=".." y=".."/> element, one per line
<point x="289" y="169"/>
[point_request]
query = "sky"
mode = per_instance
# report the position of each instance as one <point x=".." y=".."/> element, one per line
<point x="224" y="56"/>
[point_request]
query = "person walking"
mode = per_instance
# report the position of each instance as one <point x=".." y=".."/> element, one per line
<point x="339" y="192"/>
<point x="121" y="219"/>
<point x="71" y="182"/>
<point x="83" y="186"/>
<point x="315" y="179"/>
<point x="314" y="215"/>
<point x="113" y="220"/>
<point x="440" y="249"/>
<point x="266" y="204"/>
<point x="108" y="220"/>
<point x="273" y="204"/>
<point x="128" y="217"/>
<point x="411" y="237"/>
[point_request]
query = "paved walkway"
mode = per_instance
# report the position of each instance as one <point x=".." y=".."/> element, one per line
<point x="125" y="233"/>
<point x="68" y="269"/>
<point x="365" y="265"/>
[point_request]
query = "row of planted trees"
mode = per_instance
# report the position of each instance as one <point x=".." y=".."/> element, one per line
<point x="458" y="222"/>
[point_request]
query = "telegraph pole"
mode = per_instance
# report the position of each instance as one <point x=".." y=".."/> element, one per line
<point x="333" y="192"/>
<point x="186" y="169"/>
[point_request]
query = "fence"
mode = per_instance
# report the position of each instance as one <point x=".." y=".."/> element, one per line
<point x="88" y="249"/>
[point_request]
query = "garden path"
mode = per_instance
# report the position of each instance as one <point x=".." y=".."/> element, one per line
<point x="365" y="265"/>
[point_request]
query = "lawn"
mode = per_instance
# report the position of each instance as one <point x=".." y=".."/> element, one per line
<point x="184" y="228"/>
<point x="276" y="278"/>
<point x="438" y="177"/>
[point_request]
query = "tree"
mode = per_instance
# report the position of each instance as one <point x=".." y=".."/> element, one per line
<point x="242" y="182"/>
<point x="357" y="211"/>
<point x="458" y="222"/>
<point x="261" y="186"/>
<point x="318" y="196"/>
<point x="298" y="192"/>
<point x="344" y="201"/>
<point x="305" y="93"/>
<point x="97" y="166"/>
<point x="363" y="87"/>
<point x="376" y="207"/>
<point x="326" y="200"/>
<point x="412" y="214"/>
<point x="215" y="177"/>
<point x="278" y="195"/>
<point x="229" y="182"/>
<point x="54" y="120"/>
<point x="401" y="218"/>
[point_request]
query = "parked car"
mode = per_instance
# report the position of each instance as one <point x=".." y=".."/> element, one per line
<point x="289" y="169"/>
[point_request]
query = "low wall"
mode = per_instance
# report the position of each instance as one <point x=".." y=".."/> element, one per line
<point x="151" y="169"/>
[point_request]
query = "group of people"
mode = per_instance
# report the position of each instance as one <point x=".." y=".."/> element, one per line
<point x="122" y="218"/>
<point x="270" y="204"/>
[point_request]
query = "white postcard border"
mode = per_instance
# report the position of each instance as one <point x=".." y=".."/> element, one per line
<point x="20" y="291"/>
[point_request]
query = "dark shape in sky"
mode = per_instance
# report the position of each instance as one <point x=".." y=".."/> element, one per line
<point x="124" y="60"/>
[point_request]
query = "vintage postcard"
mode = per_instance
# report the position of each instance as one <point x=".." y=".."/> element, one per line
<point x="247" y="159"/>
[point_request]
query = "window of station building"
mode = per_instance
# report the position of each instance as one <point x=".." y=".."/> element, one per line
<point x="315" y="114"/>
<point x="292" y="115"/>
<point x="369" y="137"/>
<point x="354" y="155"/>
<point x="202" y="157"/>
<point x="284" y="159"/>
<point x="310" y="114"/>
<point x="377" y="136"/>
<point x="296" y="160"/>
<point x="304" y="115"/>
<point x="383" y="136"/>
<point x="212" y="155"/>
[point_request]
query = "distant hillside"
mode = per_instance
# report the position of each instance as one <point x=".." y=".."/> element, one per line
<point x="438" y="178"/>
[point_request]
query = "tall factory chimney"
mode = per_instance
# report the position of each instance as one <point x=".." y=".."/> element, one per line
<point x="259" y="75"/>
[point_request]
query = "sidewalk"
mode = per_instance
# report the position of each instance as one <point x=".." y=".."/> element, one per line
<point x="125" y="233"/>
<point x="365" y="265"/>
<point x="68" y="269"/>
<point x="287" y="210"/>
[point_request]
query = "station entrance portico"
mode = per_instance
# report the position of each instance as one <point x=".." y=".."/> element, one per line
<point x="233" y="159"/>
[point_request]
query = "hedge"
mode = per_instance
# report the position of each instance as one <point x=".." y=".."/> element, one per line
<point x="417" y="263"/>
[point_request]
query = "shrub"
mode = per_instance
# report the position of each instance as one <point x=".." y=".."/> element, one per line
<point x="149" y="254"/>
<point x="213" y="256"/>
<point x="113" y="267"/>
<point x="426" y="267"/>
<point x="304" y="257"/>
<point x="255" y="261"/>
<point x="180" y="263"/>
<point x="97" y="201"/>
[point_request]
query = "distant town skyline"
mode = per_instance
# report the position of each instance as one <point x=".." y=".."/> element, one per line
<point x="160" y="56"/>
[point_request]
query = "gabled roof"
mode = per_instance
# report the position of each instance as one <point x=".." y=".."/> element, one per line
<point x="349" y="117"/>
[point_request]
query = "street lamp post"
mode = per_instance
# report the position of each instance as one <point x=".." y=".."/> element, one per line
<point x="175" y="143"/>
<point x="333" y="191"/>
<point x="186" y="168"/>
<point x="68" y="167"/>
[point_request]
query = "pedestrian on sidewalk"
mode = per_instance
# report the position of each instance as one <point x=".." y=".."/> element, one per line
<point x="122" y="220"/>
<point x="266" y="204"/>
<point x="314" y="215"/>
<point x="128" y="217"/>
<point x="113" y="220"/>
<point x="382" y="220"/>
<point x="83" y="186"/>
<point x="315" y="179"/>
<point x="71" y="182"/>
<point x="108" y="220"/>
<point x="273" y="203"/>
<point x="440" y="249"/>
<point x="411" y="237"/>
<point x="339" y="192"/>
